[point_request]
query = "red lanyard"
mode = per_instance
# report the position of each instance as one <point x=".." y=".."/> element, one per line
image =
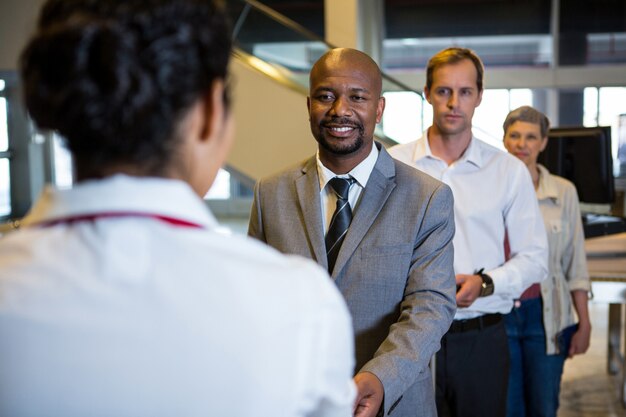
<point x="176" y="222"/>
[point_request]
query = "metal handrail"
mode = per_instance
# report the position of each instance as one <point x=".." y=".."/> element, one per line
<point x="287" y="22"/>
<point x="9" y="226"/>
<point x="269" y="70"/>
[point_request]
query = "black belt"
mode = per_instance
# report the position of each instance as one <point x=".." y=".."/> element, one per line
<point x="477" y="323"/>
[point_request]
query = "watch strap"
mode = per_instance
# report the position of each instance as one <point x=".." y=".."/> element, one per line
<point x="487" y="286"/>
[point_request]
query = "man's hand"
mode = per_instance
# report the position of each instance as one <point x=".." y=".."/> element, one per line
<point x="369" y="394"/>
<point x="468" y="289"/>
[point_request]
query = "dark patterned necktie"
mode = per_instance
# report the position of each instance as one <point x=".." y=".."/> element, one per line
<point x="340" y="221"/>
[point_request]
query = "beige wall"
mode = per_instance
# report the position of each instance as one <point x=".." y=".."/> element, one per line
<point x="17" y="22"/>
<point x="272" y="124"/>
<point x="341" y="23"/>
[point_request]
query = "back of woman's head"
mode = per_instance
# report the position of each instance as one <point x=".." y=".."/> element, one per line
<point x="114" y="77"/>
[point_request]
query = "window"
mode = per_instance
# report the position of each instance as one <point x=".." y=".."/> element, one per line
<point x="402" y="119"/>
<point x="220" y="190"/>
<point x="407" y="115"/>
<point x="5" y="197"/>
<point x="5" y="177"/>
<point x="64" y="178"/>
<point x="490" y="115"/>
<point x="606" y="106"/>
<point x="61" y="164"/>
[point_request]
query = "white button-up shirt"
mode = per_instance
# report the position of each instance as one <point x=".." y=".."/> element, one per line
<point x="559" y="206"/>
<point x="111" y="305"/>
<point x="361" y="173"/>
<point x="493" y="195"/>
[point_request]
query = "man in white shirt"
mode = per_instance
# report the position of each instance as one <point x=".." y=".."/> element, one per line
<point x="494" y="202"/>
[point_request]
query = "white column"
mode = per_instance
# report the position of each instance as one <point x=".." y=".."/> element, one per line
<point x="553" y="93"/>
<point x="372" y="28"/>
<point x="355" y="24"/>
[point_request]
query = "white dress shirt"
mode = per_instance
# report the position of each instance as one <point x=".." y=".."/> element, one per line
<point x="107" y="310"/>
<point x="493" y="195"/>
<point x="361" y="173"/>
<point x="559" y="206"/>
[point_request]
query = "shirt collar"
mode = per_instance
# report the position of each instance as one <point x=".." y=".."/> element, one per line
<point x="422" y="148"/>
<point x="547" y="186"/>
<point x="472" y="154"/>
<point x="122" y="194"/>
<point x="361" y="173"/>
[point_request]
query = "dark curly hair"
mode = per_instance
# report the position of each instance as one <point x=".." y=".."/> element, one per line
<point x="114" y="77"/>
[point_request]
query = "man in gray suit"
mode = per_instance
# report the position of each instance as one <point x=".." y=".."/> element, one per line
<point x="388" y="242"/>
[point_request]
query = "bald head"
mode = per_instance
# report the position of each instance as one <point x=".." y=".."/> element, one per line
<point x="345" y="104"/>
<point x="342" y="60"/>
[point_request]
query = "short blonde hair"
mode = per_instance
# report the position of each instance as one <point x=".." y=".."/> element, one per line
<point x="452" y="56"/>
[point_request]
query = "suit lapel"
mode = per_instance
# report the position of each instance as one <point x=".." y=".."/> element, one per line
<point x="308" y="190"/>
<point x="377" y="190"/>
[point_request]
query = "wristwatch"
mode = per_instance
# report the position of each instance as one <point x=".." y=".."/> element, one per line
<point x="486" y="287"/>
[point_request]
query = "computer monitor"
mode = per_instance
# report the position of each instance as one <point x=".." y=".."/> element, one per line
<point x="583" y="156"/>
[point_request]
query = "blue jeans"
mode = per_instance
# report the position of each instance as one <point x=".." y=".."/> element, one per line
<point x="534" y="377"/>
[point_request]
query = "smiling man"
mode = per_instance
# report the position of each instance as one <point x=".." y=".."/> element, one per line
<point x="494" y="202"/>
<point x="346" y="208"/>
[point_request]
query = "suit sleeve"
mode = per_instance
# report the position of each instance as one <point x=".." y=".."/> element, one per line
<point x="428" y="306"/>
<point x="255" y="227"/>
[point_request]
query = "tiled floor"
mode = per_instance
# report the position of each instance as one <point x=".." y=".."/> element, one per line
<point x="586" y="389"/>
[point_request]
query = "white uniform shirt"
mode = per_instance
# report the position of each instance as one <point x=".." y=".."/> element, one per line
<point x="493" y="194"/>
<point x="130" y="315"/>
<point x="558" y="202"/>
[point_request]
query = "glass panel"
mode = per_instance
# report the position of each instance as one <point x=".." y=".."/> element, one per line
<point x="523" y="50"/>
<point x="621" y="144"/>
<point x="606" y="48"/>
<point x="220" y="190"/>
<point x="407" y="115"/>
<point x="589" y="34"/>
<point x="5" y="196"/>
<point x="489" y="116"/>
<point x="402" y="119"/>
<point x="427" y="115"/>
<point x="607" y="107"/>
<point x="295" y="56"/>
<point x="4" y="139"/>
<point x="283" y="49"/>
<point x="590" y="111"/>
<point x="520" y="97"/>
<point x="270" y="40"/>
<point x="308" y="14"/>
<point x="63" y="171"/>
<point x="612" y="104"/>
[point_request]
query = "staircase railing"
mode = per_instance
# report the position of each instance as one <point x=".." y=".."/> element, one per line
<point x="284" y="50"/>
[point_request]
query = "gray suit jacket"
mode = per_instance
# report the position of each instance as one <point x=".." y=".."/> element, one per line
<point x="394" y="268"/>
